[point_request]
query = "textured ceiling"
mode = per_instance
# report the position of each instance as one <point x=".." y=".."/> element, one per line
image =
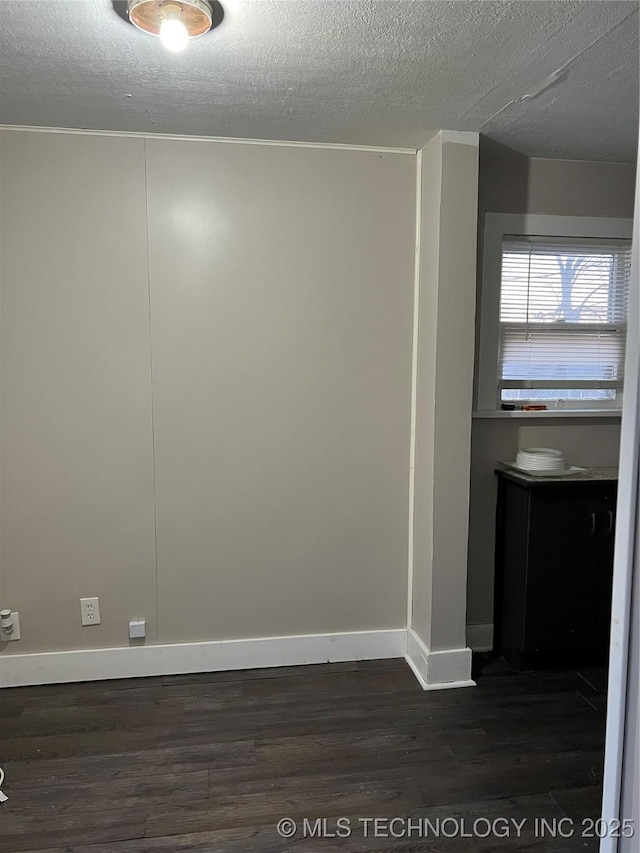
<point x="369" y="72"/>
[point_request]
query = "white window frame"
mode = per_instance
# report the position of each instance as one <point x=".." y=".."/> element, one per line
<point x="496" y="226"/>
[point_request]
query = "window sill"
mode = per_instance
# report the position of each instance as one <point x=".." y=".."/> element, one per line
<point x="552" y="413"/>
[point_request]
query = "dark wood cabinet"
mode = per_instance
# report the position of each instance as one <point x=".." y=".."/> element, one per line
<point x="554" y="565"/>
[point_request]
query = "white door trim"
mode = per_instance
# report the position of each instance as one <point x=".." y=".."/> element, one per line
<point x="625" y="559"/>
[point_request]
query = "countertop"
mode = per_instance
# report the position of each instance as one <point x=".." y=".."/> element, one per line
<point x="591" y="474"/>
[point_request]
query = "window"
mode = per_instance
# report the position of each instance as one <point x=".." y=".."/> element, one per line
<point x="563" y="319"/>
<point x="556" y="333"/>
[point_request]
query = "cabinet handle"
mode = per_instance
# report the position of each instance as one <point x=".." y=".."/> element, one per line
<point x="593" y="523"/>
<point x="610" y="517"/>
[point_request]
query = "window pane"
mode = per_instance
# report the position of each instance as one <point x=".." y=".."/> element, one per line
<point x="541" y="284"/>
<point x="561" y="353"/>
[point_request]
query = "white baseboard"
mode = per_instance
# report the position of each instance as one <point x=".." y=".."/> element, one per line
<point x="438" y="670"/>
<point x="182" y="658"/>
<point x="480" y="637"/>
<point x="434" y="670"/>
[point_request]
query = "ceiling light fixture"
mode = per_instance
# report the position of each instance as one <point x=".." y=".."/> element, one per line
<point x="174" y="22"/>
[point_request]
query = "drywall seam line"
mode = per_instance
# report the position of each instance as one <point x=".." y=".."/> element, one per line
<point x="414" y="387"/>
<point x="153" y="425"/>
<point x="555" y="77"/>
<point x="220" y="139"/>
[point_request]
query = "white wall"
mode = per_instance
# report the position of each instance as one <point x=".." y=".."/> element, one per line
<point x="269" y="327"/>
<point x="281" y="306"/>
<point x="77" y="515"/>
<point x="444" y="380"/>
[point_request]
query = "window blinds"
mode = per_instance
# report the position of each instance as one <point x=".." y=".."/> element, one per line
<point x="563" y="318"/>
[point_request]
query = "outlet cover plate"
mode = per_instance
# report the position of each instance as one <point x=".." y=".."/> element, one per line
<point x="15" y="634"/>
<point x="137" y="629"/>
<point x="90" y="611"/>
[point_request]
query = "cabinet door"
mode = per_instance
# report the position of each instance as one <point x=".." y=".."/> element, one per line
<point x="564" y="544"/>
<point x="604" y="578"/>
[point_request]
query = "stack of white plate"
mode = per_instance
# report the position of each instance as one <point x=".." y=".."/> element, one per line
<point x="542" y="459"/>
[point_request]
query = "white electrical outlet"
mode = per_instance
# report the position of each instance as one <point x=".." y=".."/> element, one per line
<point x="14" y="633"/>
<point x="90" y="611"/>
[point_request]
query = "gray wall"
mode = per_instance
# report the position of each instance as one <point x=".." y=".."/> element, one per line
<point x="206" y="377"/>
<point x="510" y="183"/>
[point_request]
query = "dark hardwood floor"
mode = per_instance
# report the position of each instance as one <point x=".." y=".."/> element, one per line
<point x="210" y="763"/>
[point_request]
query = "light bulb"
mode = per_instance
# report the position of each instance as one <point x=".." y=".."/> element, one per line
<point x="173" y="33"/>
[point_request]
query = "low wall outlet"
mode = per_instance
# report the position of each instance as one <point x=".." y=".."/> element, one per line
<point x="14" y="633"/>
<point x="90" y="611"/>
<point x="137" y="629"/>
